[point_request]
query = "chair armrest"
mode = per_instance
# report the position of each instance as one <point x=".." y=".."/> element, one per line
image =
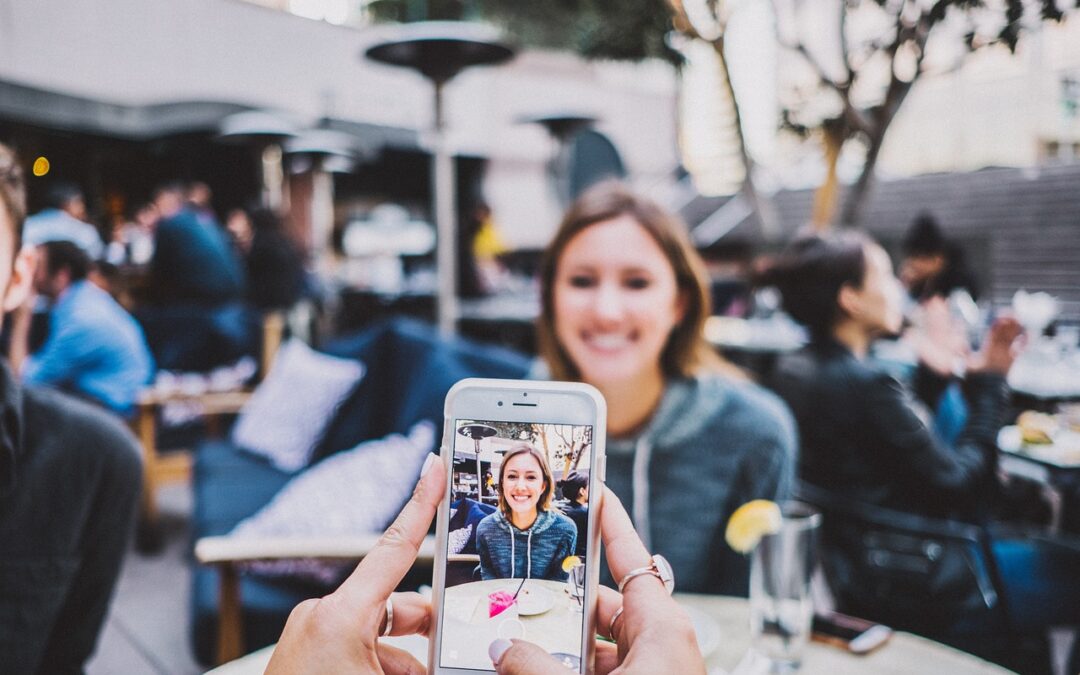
<point x="212" y="402"/>
<point x="227" y="549"/>
<point x="463" y="558"/>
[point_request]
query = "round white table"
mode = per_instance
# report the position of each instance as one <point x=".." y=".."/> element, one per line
<point x="468" y="630"/>
<point x="729" y="630"/>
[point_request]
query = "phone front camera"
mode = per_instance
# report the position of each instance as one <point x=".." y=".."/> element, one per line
<point x="500" y="403"/>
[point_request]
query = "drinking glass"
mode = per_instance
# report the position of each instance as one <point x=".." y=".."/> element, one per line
<point x="780" y="604"/>
<point x="576" y="585"/>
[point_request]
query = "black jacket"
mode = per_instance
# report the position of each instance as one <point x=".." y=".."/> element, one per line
<point x="69" y="484"/>
<point x="864" y="435"/>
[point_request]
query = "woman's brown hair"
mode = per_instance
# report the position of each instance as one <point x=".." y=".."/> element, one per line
<point x="544" y="503"/>
<point x="12" y="194"/>
<point x="686" y="352"/>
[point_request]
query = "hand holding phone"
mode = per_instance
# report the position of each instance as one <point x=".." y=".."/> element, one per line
<point x="638" y="647"/>
<point x="517" y="535"/>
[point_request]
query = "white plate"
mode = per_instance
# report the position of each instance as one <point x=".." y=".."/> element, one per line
<point x="706" y="629"/>
<point x="532" y="601"/>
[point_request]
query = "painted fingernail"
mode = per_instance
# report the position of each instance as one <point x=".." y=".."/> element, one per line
<point x="497" y="648"/>
<point x="428" y="463"/>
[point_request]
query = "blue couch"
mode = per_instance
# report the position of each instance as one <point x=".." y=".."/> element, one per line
<point x="409" y="371"/>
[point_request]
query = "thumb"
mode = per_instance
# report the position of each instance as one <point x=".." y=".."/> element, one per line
<point x="522" y="658"/>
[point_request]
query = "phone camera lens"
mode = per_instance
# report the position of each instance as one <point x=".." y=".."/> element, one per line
<point x="500" y="403"/>
<point x="525" y="394"/>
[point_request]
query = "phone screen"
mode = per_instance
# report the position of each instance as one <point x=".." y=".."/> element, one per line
<point x="517" y="544"/>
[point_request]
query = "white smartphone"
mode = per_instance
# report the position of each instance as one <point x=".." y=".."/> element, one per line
<point x="518" y="543"/>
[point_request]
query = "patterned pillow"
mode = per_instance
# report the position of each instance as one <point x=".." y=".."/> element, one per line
<point x="288" y="413"/>
<point x="357" y="491"/>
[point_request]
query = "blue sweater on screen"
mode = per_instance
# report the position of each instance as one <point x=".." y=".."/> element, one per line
<point x="536" y="553"/>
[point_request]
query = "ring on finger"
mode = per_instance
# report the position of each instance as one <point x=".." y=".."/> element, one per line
<point x="389" y="618"/>
<point x="611" y="624"/>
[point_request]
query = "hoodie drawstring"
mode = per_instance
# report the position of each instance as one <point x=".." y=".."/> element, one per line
<point x="513" y="554"/>
<point x="642" y="458"/>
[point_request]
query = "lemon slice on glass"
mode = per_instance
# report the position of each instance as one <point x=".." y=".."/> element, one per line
<point x="752" y="521"/>
<point x="570" y="562"/>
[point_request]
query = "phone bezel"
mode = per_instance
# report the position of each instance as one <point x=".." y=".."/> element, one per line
<point x="541" y="402"/>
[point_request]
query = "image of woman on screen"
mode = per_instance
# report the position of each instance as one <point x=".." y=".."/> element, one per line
<point x="525" y="537"/>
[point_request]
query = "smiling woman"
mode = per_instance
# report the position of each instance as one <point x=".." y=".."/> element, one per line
<point x="623" y="306"/>
<point x="525" y="538"/>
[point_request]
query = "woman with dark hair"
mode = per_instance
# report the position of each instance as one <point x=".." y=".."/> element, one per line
<point x="865" y="436"/>
<point x="575" y="489"/>
<point x="624" y="298"/>
<point x="861" y="430"/>
<point x="525" y="537"/>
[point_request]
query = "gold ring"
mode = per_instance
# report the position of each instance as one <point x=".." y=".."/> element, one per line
<point x="389" y="619"/>
<point x="611" y="624"/>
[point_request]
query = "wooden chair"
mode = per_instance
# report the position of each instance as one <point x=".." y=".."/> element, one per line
<point x="175" y="465"/>
<point x="228" y="554"/>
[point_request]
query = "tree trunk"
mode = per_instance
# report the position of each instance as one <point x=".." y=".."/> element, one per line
<point x="825" y="197"/>
<point x="758" y="205"/>
<point x="857" y="196"/>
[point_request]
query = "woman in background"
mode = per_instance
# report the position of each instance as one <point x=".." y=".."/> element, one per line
<point x="624" y="298"/>
<point x="575" y="489"/>
<point x="866" y="437"/>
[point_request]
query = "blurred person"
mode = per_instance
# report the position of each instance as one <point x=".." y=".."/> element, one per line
<point x="69" y="485"/>
<point x="193" y="261"/>
<point x="64" y="219"/>
<point x="94" y="349"/>
<point x="238" y="225"/>
<point x="575" y="489"/>
<point x="866" y="437"/>
<point x="199" y="196"/>
<point x="525" y="536"/>
<point x="196" y="320"/>
<point x="132" y="242"/>
<point x="624" y="298"/>
<point x="933" y="266"/>
<point x="274" y="265"/>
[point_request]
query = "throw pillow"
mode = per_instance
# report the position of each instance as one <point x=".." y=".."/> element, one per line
<point x="289" y="412"/>
<point x="357" y="491"/>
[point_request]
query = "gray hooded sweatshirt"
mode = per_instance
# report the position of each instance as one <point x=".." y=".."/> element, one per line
<point x="712" y="445"/>
<point x="536" y="553"/>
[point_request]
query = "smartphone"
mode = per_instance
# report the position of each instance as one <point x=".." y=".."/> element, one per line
<point x="858" y="636"/>
<point x="517" y="539"/>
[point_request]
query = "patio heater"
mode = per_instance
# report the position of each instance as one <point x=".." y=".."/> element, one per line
<point x="323" y="152"/>
<point x="265" y="130"/>
<point x="478" y="432"/>
<point x="439" y="50"/>
<point x="562" y="127"/>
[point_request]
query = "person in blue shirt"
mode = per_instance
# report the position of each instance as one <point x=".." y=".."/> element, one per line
<point x="64" y="219"/>
<point x="195" y="319"/>
<point x="95" y="349"/>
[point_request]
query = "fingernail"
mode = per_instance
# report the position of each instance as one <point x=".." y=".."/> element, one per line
<point x="428" y="463"/>
<point x="497" y="648"/>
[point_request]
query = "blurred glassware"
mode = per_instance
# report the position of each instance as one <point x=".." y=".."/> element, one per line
<point x="781" y="607"/>
<point x="1035" y="311"/>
